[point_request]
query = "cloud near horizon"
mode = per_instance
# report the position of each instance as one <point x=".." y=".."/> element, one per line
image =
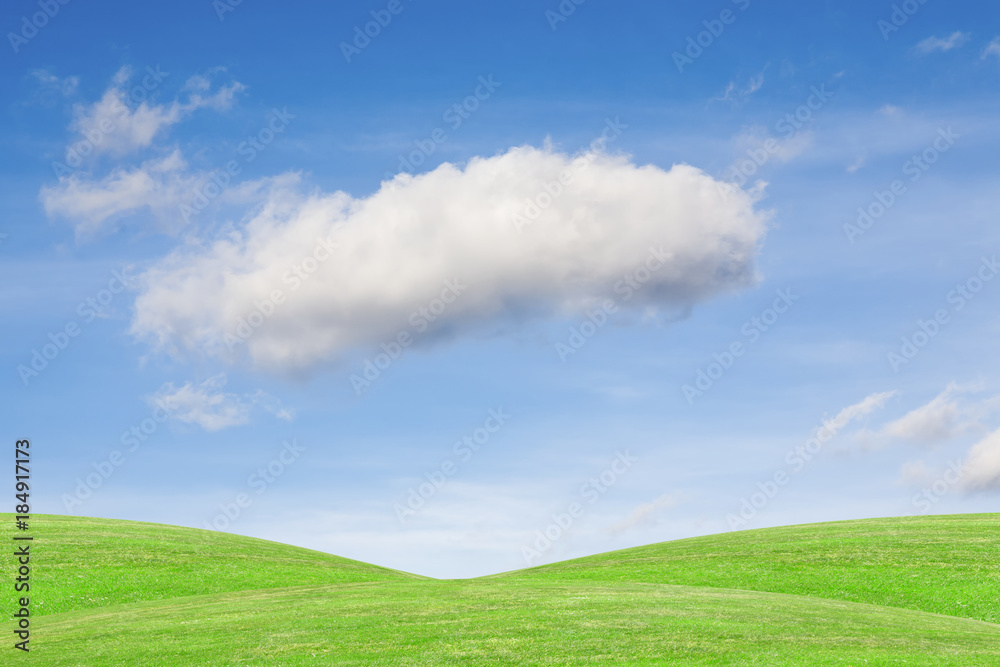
<point x="512" y="241"/>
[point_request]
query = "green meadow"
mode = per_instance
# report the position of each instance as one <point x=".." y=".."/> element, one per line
<point x="906" y="591"/>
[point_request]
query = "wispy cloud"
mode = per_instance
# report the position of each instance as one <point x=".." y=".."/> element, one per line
<point x="208" y="406"/>
<point x="992" y="49"/>
<point x="952" y="41"/>
<point x="947" y="416"/>
<point x="49" y="83"/>
<point x="159" y="185"/>
<point x="736" y="93"/>
<point x="124" y="119"/>
<point x="863" y="408"/>
<point x="857" y="164"/>
<point x="646" y="513"/>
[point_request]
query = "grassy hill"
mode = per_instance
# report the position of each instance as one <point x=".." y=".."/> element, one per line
<point x="480" y="623"/>
<point x="940" y="564"/>
<point x="144" y="594"/>
<point x="84" y="563"/>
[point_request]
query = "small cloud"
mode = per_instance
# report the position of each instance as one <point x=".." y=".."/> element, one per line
<point x="944" y="418"/>
<point x="857" y="164"/>
<point x="981" y="471"/>
<point x="160" y="185"/>
<point x="124" y="122"/>
<point x="208" y="406"/>
<point x="937" y="421"/>
<point x="49" y="83"/>
<point x="755" y="147"/>
<point x="890" y="111"/>
<point x="992" y="49"/>
<point x="850" y="413"/>
<point x="647" y="513"/>
<point x="952" y="41"/>
<point x="735" y="93"/>
<point x="947" y="416"/>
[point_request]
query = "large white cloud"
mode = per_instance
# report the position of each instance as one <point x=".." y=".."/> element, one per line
<point x="500" y="229"/>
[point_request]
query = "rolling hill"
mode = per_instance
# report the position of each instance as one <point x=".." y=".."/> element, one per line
<point x="846" y="593"/>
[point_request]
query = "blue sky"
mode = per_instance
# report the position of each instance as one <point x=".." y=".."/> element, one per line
<point x="728" y="187"/>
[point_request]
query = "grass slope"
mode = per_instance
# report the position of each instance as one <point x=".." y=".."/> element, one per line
<point x="81" y="563"/>
<point x="941" y="564"/>
<point x="146" y="594"/>
<point x="508" y="623"/>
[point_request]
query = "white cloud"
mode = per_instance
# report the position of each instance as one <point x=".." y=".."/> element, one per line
<point x="160" y="185"/>
<point x="915" y="473"/>
<point x="856" y="411"/>
<point x="992" y="49"/>
<point x="50" y="84"/>
<point x="938" y="421"/>
<point x="757" y="140"/>
<point x="981" y="471"/>
<point x="208" y="406"/>
<point x="123" y="120"/>
<point x="397" y="248"/>
<point x="890" y="110"/>
<point x="735" y="93"/>
<point x="857" y="164"/>
<point x="647" y="512"/>
<point x="945" y="417"/>
<point x="952" y="41"/>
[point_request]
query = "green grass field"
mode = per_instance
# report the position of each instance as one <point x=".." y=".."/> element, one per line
<point x="911" y="591"/>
